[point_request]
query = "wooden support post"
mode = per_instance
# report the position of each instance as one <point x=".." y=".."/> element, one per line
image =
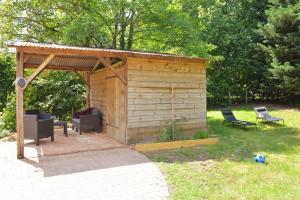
<point x="88" y="89"/>
<point x="20" y="97"/>
<point x="126" y="100"/>
<point x="20" y="106"/>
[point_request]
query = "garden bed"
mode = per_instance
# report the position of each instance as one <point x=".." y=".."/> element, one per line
<point x="175" y="144"/>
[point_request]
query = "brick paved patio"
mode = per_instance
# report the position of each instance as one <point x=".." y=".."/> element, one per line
<point x="118" y="173"/>
<point x="74" y="143"/>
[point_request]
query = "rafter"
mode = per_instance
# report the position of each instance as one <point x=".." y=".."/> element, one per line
<point x="96" y="65"/>
<point x="40" y="68"/>
<point x="107" y="64"/>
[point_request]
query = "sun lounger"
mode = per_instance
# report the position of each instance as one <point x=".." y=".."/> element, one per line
<point x="230" y="118"/>
<point x="263" y="114"/>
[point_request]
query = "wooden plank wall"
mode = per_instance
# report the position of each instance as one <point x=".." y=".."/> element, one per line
<point x="98" y="93"/>
<point x="108" y="95"/>
<point x="150" y="97"/>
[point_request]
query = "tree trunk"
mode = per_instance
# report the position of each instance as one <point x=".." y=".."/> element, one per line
<point x="123" y="28"/>
<point x="115" y="34"/>
<point x="131" y="31"/>
<point x="246" y="96"/>
<point x="229" y="97"/>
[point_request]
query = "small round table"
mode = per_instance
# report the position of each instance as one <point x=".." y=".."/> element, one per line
<point x="64" y="124"/>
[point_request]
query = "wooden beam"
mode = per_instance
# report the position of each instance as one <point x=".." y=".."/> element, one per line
<point x="20" y="107"/>
<point x="53" y="67"/>
<point x="120" y="63"/>
<point x="61" y="58"/>
<point x="109" y="66"/>
<point x="88" y="88"/>
<point x="40" y="68"/>
<point x="96" y="65"/>
<point x="126" y="99"/>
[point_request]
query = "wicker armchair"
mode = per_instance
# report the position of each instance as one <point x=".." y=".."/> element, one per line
<point x="38" y="125"/>
<point x="90" y="119"/>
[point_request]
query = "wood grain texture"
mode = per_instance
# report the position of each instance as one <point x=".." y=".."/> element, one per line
<point x="20" y="107"/>
<point x="40" y="68"/>
<point x="108" y="95"/>
<point x="175" y="144"/>
<point x="150" y="95"/>
<point x="98" y="93"/>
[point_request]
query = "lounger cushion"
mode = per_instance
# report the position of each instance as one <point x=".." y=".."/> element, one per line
<point x="262" y="112"/>
<point x="229" y="117"/>
<point x="272" y="119"/>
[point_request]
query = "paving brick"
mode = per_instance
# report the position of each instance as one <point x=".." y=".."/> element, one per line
<point x="119" y="173"/>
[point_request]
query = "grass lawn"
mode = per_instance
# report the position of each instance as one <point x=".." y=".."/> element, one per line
<point x="227" y="170"/>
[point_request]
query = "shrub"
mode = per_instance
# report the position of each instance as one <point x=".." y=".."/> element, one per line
<point x="171" y="133"/>
<point x="54" y="92"/>
<point x="57" y="93"/>
<point x="8" y="117"/>
<point x="7" y="76"/>
<point x="200" y="134"/>
<point x="4" y="133"/>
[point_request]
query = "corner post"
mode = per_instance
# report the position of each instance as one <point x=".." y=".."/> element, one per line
<point x="88" y="88"/>
<point x="20" y="106"/>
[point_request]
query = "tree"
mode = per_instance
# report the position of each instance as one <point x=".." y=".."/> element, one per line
<point x="240" y="69"/>
<point x="120" y="24"/>
<point x="281" y="42"/>
<point x="56" y="92"/>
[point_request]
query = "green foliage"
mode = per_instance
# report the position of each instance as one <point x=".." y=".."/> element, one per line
<point x="281" y="42"/>
<point x="164" y="26"/>
<point x="240" y="68"/>
<point x="7" y="76"/>
<point x="8" y="117"/>
<point x="56" y="92"/>
<point x="170" y="133"/>
<point x="4" y="133"/>
<point x="227" y="171"/>
<point x="223" y="30"/>
<point x="201" y="134"/>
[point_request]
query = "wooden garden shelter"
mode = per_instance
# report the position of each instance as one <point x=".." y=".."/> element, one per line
<point x="138" y="93"/>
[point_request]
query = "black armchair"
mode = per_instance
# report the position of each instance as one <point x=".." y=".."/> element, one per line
<point x="38" y="125"/>
<point x="90" y="119"/>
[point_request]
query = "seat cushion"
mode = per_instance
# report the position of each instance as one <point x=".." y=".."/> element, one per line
<point x="95" y="112"/>
<point x="76" y="121"/>
<point x="273" y="119"/>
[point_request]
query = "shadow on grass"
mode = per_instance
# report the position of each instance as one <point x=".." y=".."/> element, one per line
<point x="236" y="144"/>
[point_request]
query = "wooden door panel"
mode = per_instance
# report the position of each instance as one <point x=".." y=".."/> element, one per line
<point x="116" y="109"/>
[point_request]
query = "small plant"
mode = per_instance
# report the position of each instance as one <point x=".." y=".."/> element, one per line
<point x="4" y="133"/>
<point x="170" y="133"/>
<point x="8" y="117"/>
<point x="201" y="134"/>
